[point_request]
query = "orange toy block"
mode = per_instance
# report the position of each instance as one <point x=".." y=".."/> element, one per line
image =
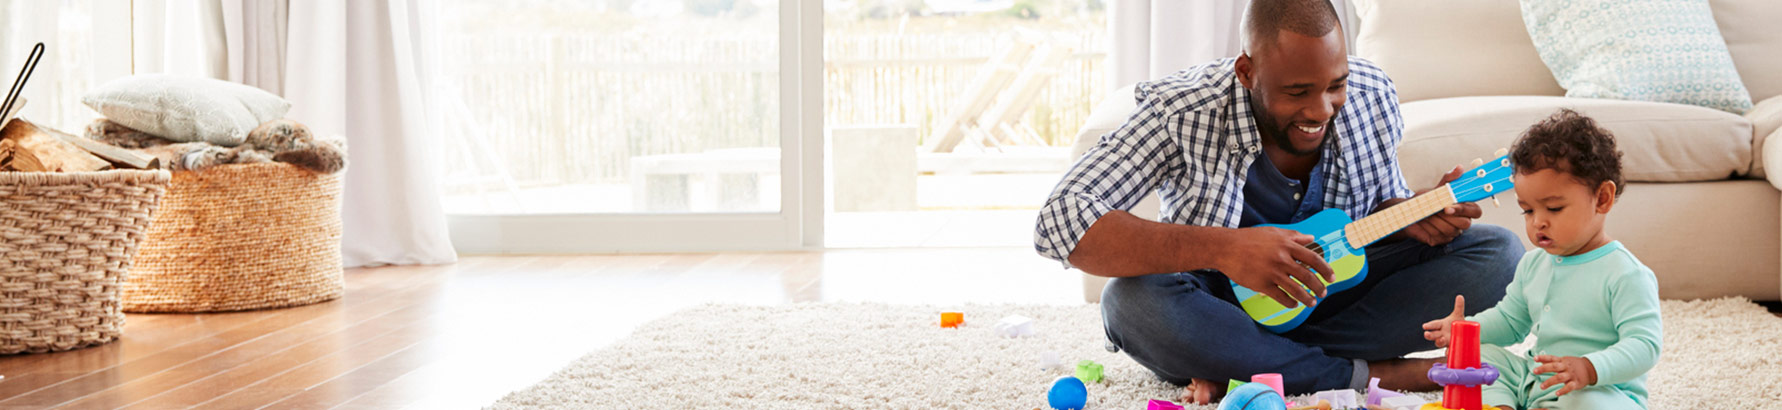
<point x="952" y="319"/>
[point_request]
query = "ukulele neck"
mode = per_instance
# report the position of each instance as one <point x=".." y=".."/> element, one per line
<point x="1383" y="223"/>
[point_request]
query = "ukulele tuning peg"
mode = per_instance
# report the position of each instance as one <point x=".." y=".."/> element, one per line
<point x="1494" y="203"/>
<point x="1501" y="152"/>
<point x="1477" y="162"/>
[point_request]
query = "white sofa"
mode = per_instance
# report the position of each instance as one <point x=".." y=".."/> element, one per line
<point x="1698" y="208"/>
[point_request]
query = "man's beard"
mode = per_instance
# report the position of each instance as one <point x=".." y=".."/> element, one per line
<point x="1278" y="133"/>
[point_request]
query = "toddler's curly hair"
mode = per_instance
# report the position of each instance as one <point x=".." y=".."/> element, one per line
<point x="1571" y="143"/>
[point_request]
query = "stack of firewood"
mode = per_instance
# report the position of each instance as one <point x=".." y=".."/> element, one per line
<point x="29" y="147"/>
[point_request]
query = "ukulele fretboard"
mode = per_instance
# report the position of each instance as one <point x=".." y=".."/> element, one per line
<point x="1383" y="223"/>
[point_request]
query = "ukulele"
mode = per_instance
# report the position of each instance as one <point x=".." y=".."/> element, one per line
<point x="1341" y="240"/>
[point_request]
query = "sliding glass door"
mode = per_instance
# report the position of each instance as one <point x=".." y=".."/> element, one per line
<point x="627" y="125"/>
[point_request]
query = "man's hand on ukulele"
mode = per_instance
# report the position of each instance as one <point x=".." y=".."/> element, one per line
<point x="1437" y="330"/>
<point x="1443" y="227"/>
<point x="1268" y="260"/>
<point x="1575" y="372"/>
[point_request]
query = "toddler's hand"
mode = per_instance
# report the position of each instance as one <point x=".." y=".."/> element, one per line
<point x="1437" y="330"/>
<point x="1575" y="372"/>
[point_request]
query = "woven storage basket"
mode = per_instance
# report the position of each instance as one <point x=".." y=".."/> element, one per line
<point x="67" y="240"/>
<point x="239" y="237"/>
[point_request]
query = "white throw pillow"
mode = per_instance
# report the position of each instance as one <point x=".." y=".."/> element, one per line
<point x="185" y="108"/>
<point x="1638" y="50"/>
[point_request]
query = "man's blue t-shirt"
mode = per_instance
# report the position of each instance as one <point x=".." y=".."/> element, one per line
<point x="1272" y="198"/>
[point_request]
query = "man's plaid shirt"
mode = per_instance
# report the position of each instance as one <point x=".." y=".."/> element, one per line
<point x="1192" y="140"/>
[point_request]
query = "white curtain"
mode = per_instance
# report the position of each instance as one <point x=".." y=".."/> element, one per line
<point x="349" y="68"/>
<point x="1153" y="38"/>
<point x="65" y="71"/>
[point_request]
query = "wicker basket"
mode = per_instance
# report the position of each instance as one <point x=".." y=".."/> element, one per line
<point x="240" y="237"/>
<point x="67" y="240"/>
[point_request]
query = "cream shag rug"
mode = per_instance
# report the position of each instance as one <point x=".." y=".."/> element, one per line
<point x="1721" y="354"/>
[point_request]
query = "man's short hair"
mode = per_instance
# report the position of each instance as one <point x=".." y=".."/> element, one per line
<point x="1265" y="19"/>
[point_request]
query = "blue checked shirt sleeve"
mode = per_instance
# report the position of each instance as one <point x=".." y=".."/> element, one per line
<point x="1115" y="174"/>
<point x="1392" y="129"/>
<point x="1377" y="127"/>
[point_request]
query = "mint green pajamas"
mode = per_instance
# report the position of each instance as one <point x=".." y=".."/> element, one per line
<point x="1518" y="387"/>
<point x="1601" y="305"/>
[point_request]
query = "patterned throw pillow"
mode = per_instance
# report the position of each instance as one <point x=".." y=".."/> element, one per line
<point x="1640" y="50"/>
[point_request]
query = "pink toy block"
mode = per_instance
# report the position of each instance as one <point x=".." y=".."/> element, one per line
<point x="1273" y="380"/>
<point x="1162" y="405"/>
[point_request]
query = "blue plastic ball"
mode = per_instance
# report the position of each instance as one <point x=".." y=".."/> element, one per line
<point x="1253" y="396"/>
<point x="1068" y="393"/>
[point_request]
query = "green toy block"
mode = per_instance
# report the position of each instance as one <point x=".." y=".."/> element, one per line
<point x="1233" y="385"/>
<point x="1089" y="371"/>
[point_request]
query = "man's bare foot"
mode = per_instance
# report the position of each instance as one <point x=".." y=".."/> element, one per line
<point x="1201" y="391"/>
<point x="1404" y="374"/>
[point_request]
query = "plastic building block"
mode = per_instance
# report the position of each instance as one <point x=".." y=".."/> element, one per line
<point x="1252" y="396"/>
<point x="1376" y="395"/>
<point x="1162" y="405"/>
<point x="1089" y="371"/>
<point x="1341" y="399"/>
<point x="1067" y="393"/>
<point x="1015" y="326"/>
<point x="1049" y="362"/>
<point x="1232" y="385"/>
<point x="1461" y="377"/>
<point x="952" y="319"/>
<point x="1273" y="380"/>
<point x="1403" y="402"/>
<point x="1474" y="377"/>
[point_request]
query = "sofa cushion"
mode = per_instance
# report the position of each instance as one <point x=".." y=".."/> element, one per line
<point x="1640" y="50"/>
<point x="1107" y="116"/>
<point x="1766" y="123"/>
<point x="1660" y="142"/>
<point x="1749" y="27"/>
<point x="1452" y="48"/>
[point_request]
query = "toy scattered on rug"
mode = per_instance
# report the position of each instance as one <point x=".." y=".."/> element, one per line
<point x="1049" y="362"/>
<point x="1067" y="393"/>
<point x="1376" y="395"/>
<point x="1089" y="371"/>
<point x="1273" y="380"/>
<point x="1253" y="396"/>
<point x="952" y="319"/>
<point x="1341" y="399"/>
<point x="1015" y="326"/>
<point x="1162" y="405"/>
<point x="1461" y="377"/>
<point x="274" y="141"/>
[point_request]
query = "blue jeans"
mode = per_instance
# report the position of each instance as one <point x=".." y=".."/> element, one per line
<point x="1188" y="325"/>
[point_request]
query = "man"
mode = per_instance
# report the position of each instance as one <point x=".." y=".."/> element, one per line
<point x="1284" y="130"/>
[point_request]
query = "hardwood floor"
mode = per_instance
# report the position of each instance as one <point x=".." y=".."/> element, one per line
<point x="463" y="335"/>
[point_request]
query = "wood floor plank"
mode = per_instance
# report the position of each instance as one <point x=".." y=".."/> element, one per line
<point x="126" y="373"/>
<point x="230" y="372"/>
<point x="200" y="345"/>
<point x="464" y="335"/>
<point x="360" y="323"/>
<point x="170" y="330"/>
